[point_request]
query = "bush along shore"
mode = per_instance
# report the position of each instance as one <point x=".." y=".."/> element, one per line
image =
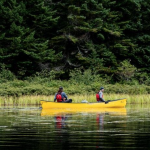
<point x="31" y="91"/>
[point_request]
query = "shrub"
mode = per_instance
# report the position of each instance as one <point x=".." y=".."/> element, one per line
<point x="6" y="75"/>
<point x="126" y="71"/>
<point x="86" y="77"/>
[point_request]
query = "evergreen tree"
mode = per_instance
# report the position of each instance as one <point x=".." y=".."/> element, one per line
<point x="136" y="30"/>
<point x="24" y="43"/>
<point x="96" y="34"/>
<point x="90" y="33"/>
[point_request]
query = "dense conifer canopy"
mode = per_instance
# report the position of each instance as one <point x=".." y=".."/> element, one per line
<point x="61" y="35"/>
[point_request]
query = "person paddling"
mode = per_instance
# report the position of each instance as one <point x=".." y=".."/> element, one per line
<point x="99" y="95"/>
<point x="61" y="96"/>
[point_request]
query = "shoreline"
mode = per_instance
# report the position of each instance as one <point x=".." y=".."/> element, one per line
<point x="77" y="98"/>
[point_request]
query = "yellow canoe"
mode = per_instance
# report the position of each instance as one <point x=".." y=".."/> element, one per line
<point x="63" y="111"/>
<point x="111" y="104"/>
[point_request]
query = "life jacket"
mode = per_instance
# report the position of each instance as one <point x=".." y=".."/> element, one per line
<point x="58" y="121"/>
<point x="98" y="97"/>
<point x="59" y="97"/>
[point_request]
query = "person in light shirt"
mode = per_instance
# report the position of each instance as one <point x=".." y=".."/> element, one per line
<point x="99" y="95"/>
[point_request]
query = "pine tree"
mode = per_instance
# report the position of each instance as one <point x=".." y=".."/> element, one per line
<point x="137" y="31"/>
<point x="95" y="34"/>
<point x="90" y="30"/>
<point x="25" y="30"/>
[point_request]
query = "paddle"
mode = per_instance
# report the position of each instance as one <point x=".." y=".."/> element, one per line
<point x="106" y="102"/>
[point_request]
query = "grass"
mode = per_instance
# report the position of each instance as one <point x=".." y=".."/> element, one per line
<point x="131" y="99"/>
<point x="34" y="100"/>
<point x="80" y="86"/>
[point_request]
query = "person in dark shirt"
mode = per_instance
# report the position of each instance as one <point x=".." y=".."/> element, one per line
<point x="61" y="96"/>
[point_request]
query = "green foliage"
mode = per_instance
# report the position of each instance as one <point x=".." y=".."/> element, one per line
<point x="24" y="31"/>
<point x="86" y="77"/>
<point x="97" y="35"/>
<point x="143" y="78"/>
<point x="42" y="86"/>
<point x="126" y="71"/>
<point x="6" y="75"/>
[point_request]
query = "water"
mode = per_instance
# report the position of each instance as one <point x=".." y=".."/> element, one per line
<point x="32" y="128"/>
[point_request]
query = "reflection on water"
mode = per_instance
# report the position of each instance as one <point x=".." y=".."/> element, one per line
<point x="33" y="128"/>
<point x="60" y="121"/>
<point x="100" y="121"/>
<point x="112" y="111"/>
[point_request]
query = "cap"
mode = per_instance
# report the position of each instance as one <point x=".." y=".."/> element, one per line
<point x="60" y="87"/>
<point x="101" y="88"/>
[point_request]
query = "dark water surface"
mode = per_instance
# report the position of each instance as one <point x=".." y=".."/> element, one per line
<point x="25" y="128"/>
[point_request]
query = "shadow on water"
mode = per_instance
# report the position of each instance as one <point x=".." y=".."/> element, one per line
<point x="50" y="129"/>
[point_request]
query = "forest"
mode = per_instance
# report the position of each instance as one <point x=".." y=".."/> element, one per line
<point x="75" y="40"/>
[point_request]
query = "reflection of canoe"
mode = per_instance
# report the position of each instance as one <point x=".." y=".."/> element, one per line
<point x="111" y="104"/>
<point x="113" y="111"/>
